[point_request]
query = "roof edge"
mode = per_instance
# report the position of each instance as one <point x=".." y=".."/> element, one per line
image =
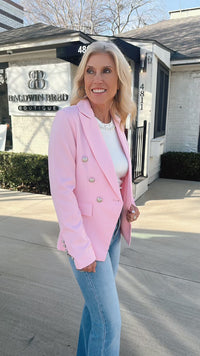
<point x="183" y="10"/>
<point x="147" y="40"/>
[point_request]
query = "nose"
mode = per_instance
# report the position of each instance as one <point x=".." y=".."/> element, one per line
<point x="98" y="77"/>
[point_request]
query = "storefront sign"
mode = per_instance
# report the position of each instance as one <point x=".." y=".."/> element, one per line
<point x="40" y="89"/>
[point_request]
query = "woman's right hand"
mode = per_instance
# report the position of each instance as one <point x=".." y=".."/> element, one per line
<point x="89" y="268"/>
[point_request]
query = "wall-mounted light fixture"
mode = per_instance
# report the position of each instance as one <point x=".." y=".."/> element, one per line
<point x="149" y="58"/>
<point x="9" y="51"/>
<point x="143" y="61"/>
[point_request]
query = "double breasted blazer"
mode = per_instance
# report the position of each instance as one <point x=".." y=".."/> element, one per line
<point x="84" y="186"/>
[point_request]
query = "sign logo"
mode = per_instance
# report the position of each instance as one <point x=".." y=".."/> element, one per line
<point x="37" y="80"/>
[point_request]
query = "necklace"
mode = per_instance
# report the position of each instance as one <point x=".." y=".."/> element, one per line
<point x="109" y="126"/>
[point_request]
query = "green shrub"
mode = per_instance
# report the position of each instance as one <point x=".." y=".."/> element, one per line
<point x="180" y="165"/>
<point x="24" y="172"/>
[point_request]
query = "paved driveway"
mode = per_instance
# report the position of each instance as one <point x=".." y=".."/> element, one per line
<point x="158" y="279"/>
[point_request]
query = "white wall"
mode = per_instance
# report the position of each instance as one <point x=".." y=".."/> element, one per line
<point x="154" y="146"/>
<point x="31" y="130"/>
<point x="184" y="110"/>
<point x="31" y="134"/>
<point x="146" y="111"/>
<point x="184" y="13"/>
<point x="36" y="85"/>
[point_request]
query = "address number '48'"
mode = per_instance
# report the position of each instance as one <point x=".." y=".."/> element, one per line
<point x="82" y="49"/>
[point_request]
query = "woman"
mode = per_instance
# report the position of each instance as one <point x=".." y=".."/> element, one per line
<point x="91" y="186"/>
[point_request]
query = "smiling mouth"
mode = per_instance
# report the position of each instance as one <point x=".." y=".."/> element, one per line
<point x="97" y="91"/>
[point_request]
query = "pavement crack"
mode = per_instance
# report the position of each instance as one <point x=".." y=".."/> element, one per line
<point x="27" y="242"/>
<point x="31" y="339"/>
<point x="161" y="273"/>
<point x="28" y="343"/>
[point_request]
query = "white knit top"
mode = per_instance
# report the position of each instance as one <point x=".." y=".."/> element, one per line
<point x="113" y="144"/>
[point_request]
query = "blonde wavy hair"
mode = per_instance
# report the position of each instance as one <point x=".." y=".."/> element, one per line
<point x="122" y="105"/>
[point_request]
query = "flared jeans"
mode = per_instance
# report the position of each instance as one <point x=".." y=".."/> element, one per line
<point x="101" y="321"/>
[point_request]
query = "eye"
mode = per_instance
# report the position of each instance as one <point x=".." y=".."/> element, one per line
<point x="107" y="70"/>
<point x="90" y="71"/>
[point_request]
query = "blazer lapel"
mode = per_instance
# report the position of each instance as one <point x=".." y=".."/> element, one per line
<point x="97" y="144"/>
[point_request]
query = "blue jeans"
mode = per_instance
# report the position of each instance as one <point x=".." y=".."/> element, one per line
<point x="101" y="321"/>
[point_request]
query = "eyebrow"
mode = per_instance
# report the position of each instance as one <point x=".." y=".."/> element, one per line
<point x="107" y="65"/>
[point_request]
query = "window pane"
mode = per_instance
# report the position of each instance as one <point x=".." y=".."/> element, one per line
<point x="161" y="100"/>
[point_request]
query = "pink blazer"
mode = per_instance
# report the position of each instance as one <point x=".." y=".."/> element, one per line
<point x="84" y="185"/>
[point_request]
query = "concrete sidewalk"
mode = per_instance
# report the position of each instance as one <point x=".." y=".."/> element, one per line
<point x="158" y="279"/>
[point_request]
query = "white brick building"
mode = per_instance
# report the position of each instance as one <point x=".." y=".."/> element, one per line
<point x="176" y="126"/>
<point x="37" y="66"/>
<point x="184" y="110"/>
<point x="11" y="15"/>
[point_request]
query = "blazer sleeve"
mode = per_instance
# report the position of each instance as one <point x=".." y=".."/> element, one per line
<point x="62" y="161"/>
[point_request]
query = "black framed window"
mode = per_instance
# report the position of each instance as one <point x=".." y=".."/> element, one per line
<point x="161" y="100"/>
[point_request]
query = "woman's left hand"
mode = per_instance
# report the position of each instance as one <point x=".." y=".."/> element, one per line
<point x="132" y="214"/>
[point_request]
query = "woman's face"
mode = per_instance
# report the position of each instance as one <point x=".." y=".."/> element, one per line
<point x="101" y="79"/>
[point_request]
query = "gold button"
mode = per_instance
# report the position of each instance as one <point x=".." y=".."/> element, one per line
<point x="99" y="199"/>
<point x="91" y="179"/>
<point x="84" y="158"/>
